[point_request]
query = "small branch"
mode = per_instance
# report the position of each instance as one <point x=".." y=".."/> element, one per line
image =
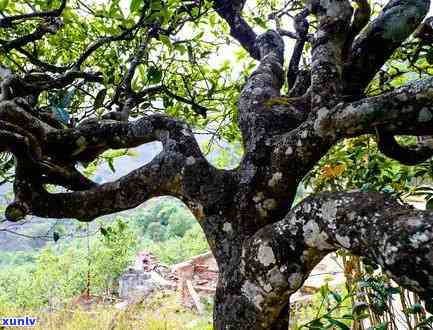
<point x="49" y="26"/>
<point x="136" y="60"/>
<point x="361" y="17"/>
<point x="197" y="108"/>
<point x="150" y="90"/>
<point x="6" y="22"/>
<point x="289" y="34"/>
<point x="301" y="27"/>
<point x="46" y="66"/>
<point x="126" y="35"/>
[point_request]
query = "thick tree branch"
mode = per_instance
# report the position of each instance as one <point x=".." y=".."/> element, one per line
<point x="264" y="84"/>
<point x="231" y="11"/>
<point x="408" y="155"/>
<point x="14" y="113"/>
<point x="361" y="17"/>
<point x="407" y="110"/>
<point x="155" y="179"/>
<point x="279" y="258"/>
<point x="86" y="142"/>
<point x="370" y="51"/>
<point x="173" y="172"/>
<point x="326" y="65"/>
<point x="13" y="86"/>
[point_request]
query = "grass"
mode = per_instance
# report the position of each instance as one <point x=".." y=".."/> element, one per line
<point x="162" y="312"/>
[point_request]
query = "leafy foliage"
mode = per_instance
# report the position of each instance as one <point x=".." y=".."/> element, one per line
<point x="57" y="276"/>
<point x="357" y="164"/>
<point x="183" y="62"/>
<point x="163" y="219"/>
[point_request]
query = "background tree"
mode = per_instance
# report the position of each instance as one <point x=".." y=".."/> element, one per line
<point x="74" y="76"/>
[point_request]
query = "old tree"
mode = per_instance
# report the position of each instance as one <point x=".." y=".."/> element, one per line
<point x="79" y="78"/>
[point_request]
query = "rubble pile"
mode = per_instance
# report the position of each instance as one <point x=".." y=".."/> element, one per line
<point x="144" y="277"/>
<point x="192" y="279"/>
<point x="197" y="278"/>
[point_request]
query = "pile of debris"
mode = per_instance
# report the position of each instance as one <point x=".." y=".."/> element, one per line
<point x="193" y="278"/>
<point x="199" y="275"/>
<point x="197" y="278"/>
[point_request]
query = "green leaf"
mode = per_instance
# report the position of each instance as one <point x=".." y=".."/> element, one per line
<point x="156" y="5"/>
<point x="260" y="21"/>
<point x="135" y="5"/>
<point x="100" y="97"/>
<point x="337" y="323"/>
<point x="104" y="231"/>
<point x="121" y="224"/>
<point x="56" y="236"/>
<point x="316" y="324"/>
<point x="429" y="204"/>
<point x="324" y="290"/>
<point x="111" y="164"/>
<point x="336" y="296"/>
<point x="199" y="36"/>
<point x="3" y="4"/>
<point x="165" y="40"/>
<point x="154" y="75"/>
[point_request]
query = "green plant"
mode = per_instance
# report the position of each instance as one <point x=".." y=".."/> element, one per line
<point x="176" y="249"/>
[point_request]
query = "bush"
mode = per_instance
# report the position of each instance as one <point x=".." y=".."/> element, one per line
<point x="176" y="249"/>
